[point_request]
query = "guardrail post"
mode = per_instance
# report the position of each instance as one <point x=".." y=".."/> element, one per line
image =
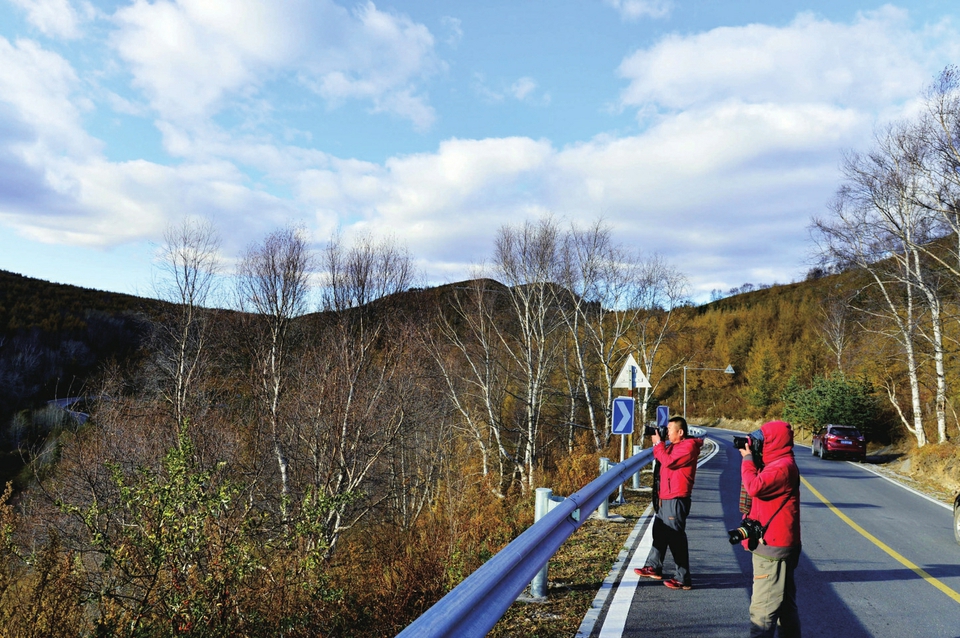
<point x="538" y="586"/>
<point x="636" y="475"/>
<point x="603" y="511"/>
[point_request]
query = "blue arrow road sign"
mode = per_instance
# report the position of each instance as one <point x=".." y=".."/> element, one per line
<point x="663" y="415"/>
<point x="623" y="415"/>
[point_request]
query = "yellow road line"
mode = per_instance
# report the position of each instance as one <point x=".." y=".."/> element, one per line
<point x="876" y="541"/>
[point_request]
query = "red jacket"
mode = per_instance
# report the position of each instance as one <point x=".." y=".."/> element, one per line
<point x="776" y="485"/>
<point x="678" y="466"/>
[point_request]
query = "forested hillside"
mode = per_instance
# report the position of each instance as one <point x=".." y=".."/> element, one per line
<point x="55" y="339"/>
<point x="53" y="335"/>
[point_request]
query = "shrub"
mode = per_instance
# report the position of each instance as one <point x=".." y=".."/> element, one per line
<point x="39" y="594"/>
<point x="835" y="399"/>
<point x="576" y="469"/>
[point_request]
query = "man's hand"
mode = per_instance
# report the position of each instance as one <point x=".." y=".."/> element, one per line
<point x="744" y="452"/>
<point x="655" y="438"/>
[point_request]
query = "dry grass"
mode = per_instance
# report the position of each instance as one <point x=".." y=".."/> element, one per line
<point x="940" y="465"/>
<point x="575" y="574"/>
<point x="933" y="469"/>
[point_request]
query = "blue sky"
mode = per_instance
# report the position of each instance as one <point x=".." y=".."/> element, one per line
<point x="709" y="131"/>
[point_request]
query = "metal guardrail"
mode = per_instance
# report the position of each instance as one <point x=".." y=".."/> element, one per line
<point x="474" y="606"/>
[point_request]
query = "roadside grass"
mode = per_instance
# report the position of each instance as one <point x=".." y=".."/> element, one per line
<point x="574" y="575"/>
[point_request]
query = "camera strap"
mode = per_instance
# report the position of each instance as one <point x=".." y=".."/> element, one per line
<point x="795" y="490"/>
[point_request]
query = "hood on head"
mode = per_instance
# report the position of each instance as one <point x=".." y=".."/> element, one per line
<point x="777" y="440"/>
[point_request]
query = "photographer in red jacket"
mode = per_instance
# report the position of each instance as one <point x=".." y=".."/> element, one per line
<point x="772" y="529"/>
<point x="678" y="469"/>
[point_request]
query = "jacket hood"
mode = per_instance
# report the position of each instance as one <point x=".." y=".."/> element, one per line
<point x="777" y="440"/>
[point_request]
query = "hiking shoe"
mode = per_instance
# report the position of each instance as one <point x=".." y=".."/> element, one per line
<point x="648" y="572"/>
<point x="673" y="583"/>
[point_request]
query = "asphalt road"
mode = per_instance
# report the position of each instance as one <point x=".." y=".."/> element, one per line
<point x="878" y="560"/>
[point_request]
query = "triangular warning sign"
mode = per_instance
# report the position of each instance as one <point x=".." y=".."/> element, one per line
<point x="631" y="375"/>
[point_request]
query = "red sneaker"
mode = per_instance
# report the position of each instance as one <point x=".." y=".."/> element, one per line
<point x="648" y="572"/>
<point x="673" y="583"/>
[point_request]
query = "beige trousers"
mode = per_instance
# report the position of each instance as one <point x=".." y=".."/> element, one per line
<point x="774" y="600"/>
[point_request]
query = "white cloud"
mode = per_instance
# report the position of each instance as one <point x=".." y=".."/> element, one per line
<point x="704" y="182"/>
<point x="96" y="203"/>
<point x="469" y="177"/>
<point x="377" y="56"/>
<point x="636" y="9"/>
<point x="186" y="56"/>
<point x="56" y="187"/>
<point x="697" y="184"/>
<point x="189" y="56"/>
<point x="455" y="28"/>
<point x="40" y="88"/>
<point x="743" y="151"/>
<point x="524" y="90"/>
<point x="481" y="88"/>
<point x="55" y="18"/>
<point x="873" y="61"/>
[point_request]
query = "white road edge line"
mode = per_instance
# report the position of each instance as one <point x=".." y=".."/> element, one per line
<point x="906" y="487"/>
<point x="616" y="618"/>
<point x="593" y="615"/>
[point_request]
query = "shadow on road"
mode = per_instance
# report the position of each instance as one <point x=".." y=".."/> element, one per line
<point x="815" y="596"/>
<point x="841" y="506"/>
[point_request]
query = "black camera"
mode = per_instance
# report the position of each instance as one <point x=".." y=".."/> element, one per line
<point x="650" y="430"/>
<point x="750" y="530"/>
<point x="754" y="443"/>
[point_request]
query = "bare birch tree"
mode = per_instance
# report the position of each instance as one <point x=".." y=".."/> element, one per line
<point x="597" y="274"/>
<point x="473" y="365"/>
<point x="621" y="302"/>
<point x="188" y="268"/>
<point x="659" y="289"/>
<point x="900" y="156"/>
<point x="836" y="327"/>
<point x="359" y="391"/>
<point x="912" y="183"/>
<point x="526" y="260"/>
<point x="876" y="226"/>
<point x="273" y="285"/>
<point x="938" y="131"/>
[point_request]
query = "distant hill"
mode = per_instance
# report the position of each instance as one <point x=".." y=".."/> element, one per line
<point x="28" y="303"/>
<point x="54" y="336"/>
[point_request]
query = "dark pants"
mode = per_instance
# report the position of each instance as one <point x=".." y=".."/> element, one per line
<point x="670" y="531"/>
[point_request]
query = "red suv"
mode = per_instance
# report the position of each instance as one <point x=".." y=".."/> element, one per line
<point x="839" y="440"/>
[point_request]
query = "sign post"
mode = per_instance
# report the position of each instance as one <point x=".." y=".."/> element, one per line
<point x="630" y="377"/>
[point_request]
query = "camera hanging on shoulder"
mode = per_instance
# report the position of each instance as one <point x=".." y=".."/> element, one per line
<point x="750" y="530"/>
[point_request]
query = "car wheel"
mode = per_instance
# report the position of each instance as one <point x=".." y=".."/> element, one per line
<point x="956" y="524"/>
